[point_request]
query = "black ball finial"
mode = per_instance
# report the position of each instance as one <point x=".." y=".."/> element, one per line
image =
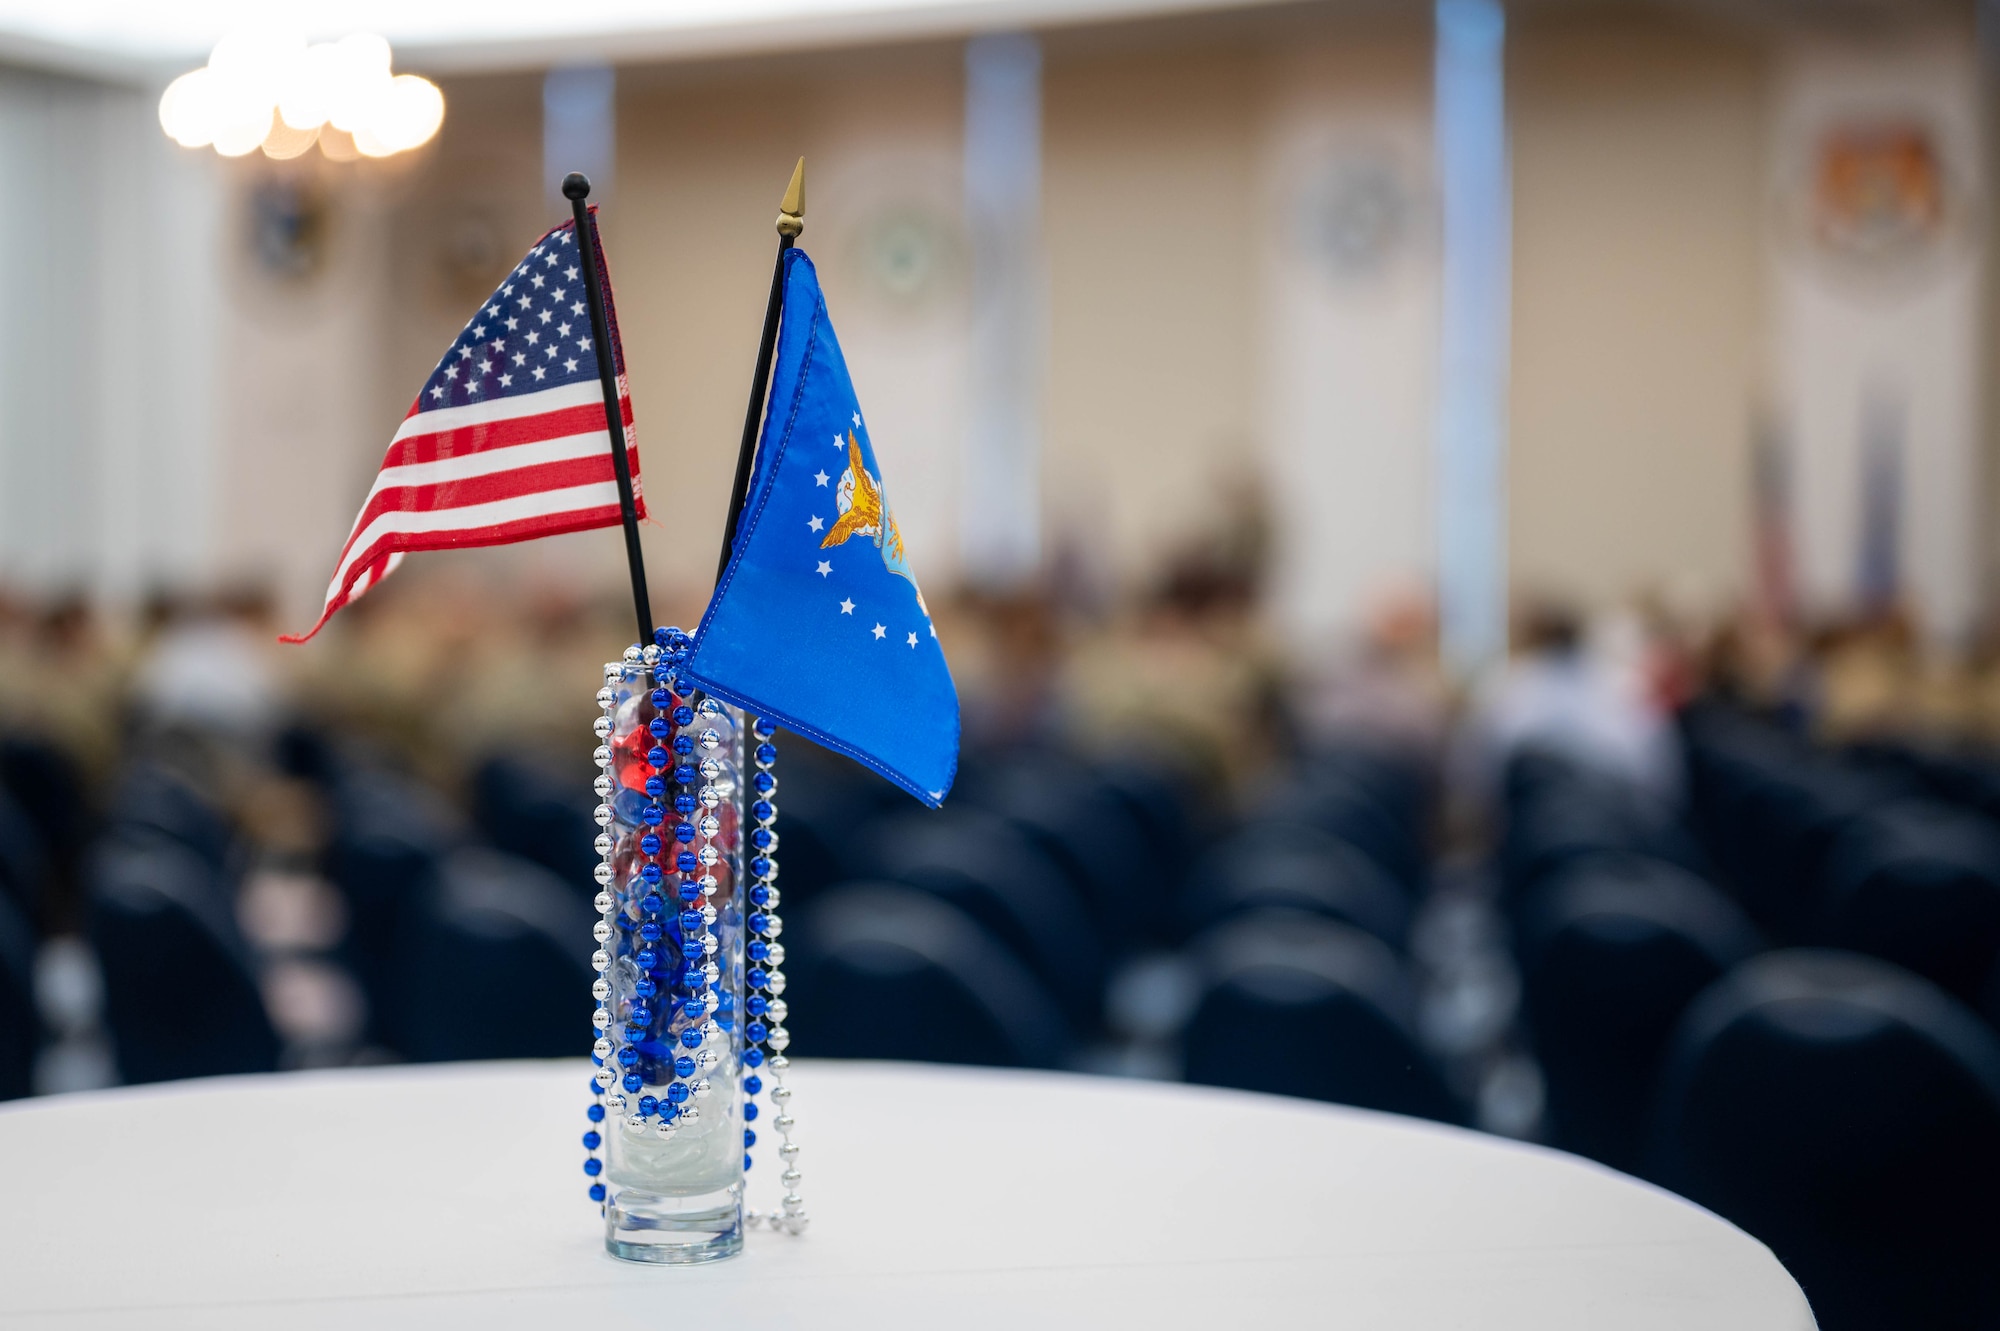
<point x="576" y="185"/>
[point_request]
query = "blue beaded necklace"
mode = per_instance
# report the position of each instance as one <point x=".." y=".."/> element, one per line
<point x="689" y="988"/>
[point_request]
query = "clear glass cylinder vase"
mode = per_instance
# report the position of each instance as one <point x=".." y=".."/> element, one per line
<point x="671" y="971"/>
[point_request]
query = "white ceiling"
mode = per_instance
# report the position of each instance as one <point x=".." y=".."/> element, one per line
<point x="154" y="39"/>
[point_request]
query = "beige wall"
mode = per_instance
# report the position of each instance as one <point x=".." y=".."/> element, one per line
<point x="1637" y="286"/>
<point x="1150" y="210"/>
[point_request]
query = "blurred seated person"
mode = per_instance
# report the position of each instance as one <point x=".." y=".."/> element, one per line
<point x="1590" y="702"/>
<point x="1387" y="688"/>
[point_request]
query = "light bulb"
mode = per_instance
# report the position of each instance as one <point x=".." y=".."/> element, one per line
<point x="405" y="116"/>
<point x="306" y="99"/>
<point x="187" y="109"/>
<point x="359" y="76"/>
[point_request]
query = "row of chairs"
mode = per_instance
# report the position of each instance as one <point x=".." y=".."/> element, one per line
<point x="41" y="822"/>
<point x="469" y="938"/>
<point x="1821" y="848"/>
<point x="971" y="942"/>
<point x="1844" y="1108"/>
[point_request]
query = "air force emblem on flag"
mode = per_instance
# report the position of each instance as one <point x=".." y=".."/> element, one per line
<point x="864" y="511"/>
<point x="818" y="623"/>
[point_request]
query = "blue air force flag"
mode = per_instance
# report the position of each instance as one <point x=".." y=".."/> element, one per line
<point x="818" y="623"/>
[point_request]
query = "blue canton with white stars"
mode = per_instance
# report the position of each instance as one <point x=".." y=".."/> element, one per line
<point x="532" y="333"/>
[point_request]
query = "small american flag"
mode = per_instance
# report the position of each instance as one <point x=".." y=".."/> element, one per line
<point x="507" y="440"/>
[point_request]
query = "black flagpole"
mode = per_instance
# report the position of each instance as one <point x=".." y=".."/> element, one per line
<point x="791" y="221"/>
<point x="576" y="188"/>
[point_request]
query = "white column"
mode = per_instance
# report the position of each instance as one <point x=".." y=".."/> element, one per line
<point x="579" y="130"/>
<point x="1473" y="341"/>
<point x="1000" y="519"/>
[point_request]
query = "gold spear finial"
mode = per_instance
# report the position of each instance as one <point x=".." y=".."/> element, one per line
<point x="792" y="212"/>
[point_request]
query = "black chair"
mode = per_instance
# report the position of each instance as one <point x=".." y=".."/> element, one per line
<point x="1847" y="1113"/>
<point x="1162" y="795"/>
<point x="24" y="860"/>
<point x="20" y="1024"/>
<point x="389" y="836"/>
<point x="180" y="993"/>
<point x="1298" y="1005"/>
<point x="1373" y="800"/>
<point x="499" y="965"/>
<point x="1294" y="866"/>
<point x="1083" y="825"/>
<point x="45" y="782"/>
<point x="987" y="868"/>
<point x="540" y="812"/>
<point x="154" y="799"/>
<point x="49" y="792"/>
<point x="1918" y="883"/>
<point x="1612" y="952"/>
<point x="824" y="800"/>
<point x="1770" y="809"/>
<point x="883" y="971"/>
<point x="1559" y="812"/>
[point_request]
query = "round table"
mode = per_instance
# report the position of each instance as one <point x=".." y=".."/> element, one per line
<point x="454" y="1195"/>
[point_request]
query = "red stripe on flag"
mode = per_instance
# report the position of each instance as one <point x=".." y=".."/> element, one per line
<point x="503" y="533"/>
<point x="529" y="429"/>
<point x="485" y="489"/>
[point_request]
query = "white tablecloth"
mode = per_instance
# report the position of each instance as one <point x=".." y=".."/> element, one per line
<point x="942" y="1198"/>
